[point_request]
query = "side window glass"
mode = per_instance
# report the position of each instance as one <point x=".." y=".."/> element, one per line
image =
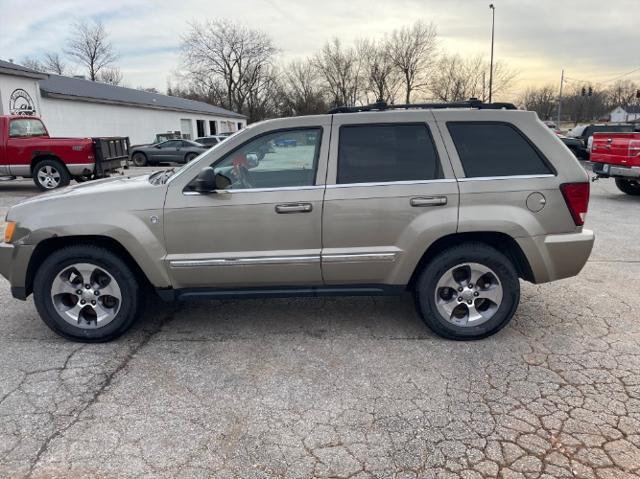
<point x="386" y="153"/>
<point x="276" y="160"/>
<point x="495" y="149"/>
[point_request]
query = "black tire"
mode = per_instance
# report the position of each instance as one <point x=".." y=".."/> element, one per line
<point x="132" y="302"/>
<point x="630" y="187"/>
<point x="189" y="157"/>
<point x="485" y="255"/>
<point x="139" y="159"/>
<point x="50" y="174"/>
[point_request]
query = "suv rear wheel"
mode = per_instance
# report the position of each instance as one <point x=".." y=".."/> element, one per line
<point x="50" y="174"/>
<point x="469" y="291"/>
<point x="630" y="187"/>
<point x="87" y="293"/>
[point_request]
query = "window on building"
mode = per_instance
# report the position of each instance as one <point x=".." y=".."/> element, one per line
<point x="186" y="128"/>
<point x="495" y="149"/>
<point x="200" y="128"/>
<point x="386" y="153"/>
<point x="213" y="128"/>
<point x="239" y="125"/>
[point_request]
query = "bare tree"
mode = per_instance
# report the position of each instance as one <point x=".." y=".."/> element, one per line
<point x="54" y="64"/>
<point x="458" y="79"/>
<point x="341" y="71"/>
<point x="228" y="58"/>
<point x="622" y="93"/>
<point x="33" y="63"/>
<point x="382" y="78"/>
<point x="90" y="46"/>
<point x="300" y="90"/>
<point x="412" y="49"/>
<point x="542" y="100"/>
<point x="112" y="76"/>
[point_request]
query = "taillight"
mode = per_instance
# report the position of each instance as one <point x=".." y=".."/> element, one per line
<point x="577" y="197"/>
<point x="634" y="148"/>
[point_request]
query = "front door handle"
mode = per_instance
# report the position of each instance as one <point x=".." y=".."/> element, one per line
<point x="429" y="201"/>
<point x="294" y="208"/>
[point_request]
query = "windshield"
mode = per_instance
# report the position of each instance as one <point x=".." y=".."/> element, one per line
<point x="25" y="127"/>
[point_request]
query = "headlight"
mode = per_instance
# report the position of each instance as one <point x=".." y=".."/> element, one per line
<point x="9" y="229"/>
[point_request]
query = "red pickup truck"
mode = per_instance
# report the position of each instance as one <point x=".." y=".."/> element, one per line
<point x="617" y="155"/>
<point x="27" y="150"/>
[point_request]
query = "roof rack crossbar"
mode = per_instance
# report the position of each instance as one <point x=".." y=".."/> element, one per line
<point x="382" y="106"/>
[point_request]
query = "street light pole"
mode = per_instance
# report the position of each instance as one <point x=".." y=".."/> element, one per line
<point x="493" y="25"/>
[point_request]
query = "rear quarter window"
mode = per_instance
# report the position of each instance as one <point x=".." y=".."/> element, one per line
<point x="495" y="149"/>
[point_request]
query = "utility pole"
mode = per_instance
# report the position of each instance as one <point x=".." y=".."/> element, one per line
<point x="493" y="25"/>
<point x="560" y="97"/>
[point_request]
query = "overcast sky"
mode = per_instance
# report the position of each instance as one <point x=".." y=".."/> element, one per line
<point x="594" y="40"/>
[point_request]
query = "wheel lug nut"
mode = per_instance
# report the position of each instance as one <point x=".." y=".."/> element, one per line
<point x="470" y="285"/>
<point x="87" y="286"/>
<point x="93" y="302"/>
<point x="476" y="294"/>
<point x="460" y="298"/>
<point x="460" y="289"/>
<point x="469" y="302"/>
<point x="79" y="291"/>
<point x="96" y="292"/>
<point x="82" y="301"/>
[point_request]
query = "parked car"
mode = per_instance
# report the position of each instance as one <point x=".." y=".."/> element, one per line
<point x="27" y="150"/>
<point x="388" y="208"/>
<point x="585" y="134"/>
<point x="210" y="141"/>
<point x="172" y="151"/>
<point x="617" y="155"/>
<point x="574" y="144"/>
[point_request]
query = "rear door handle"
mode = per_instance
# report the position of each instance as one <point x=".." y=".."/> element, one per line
<point x="294" y="208"/>
<point x="429" y="201"/>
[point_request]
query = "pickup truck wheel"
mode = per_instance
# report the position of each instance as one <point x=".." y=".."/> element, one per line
<point x="139" y="159"/>
<point x="87" y="294"/>
<point x="469" y="291"/>
<point x="630" y="187"/>
<point x="50" y="174"/>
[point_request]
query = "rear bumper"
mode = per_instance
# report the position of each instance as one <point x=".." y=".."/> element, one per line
<point x="607" y="170"/>
<point x="14" y="260"/>
<point x="554" y="257"/>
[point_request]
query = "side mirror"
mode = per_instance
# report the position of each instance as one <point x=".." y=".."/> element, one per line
<point x="208" y="181"/>
<point x="158" y="147"/>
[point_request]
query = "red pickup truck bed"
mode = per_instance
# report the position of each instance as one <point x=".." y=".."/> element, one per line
<point x="617" y="155"/>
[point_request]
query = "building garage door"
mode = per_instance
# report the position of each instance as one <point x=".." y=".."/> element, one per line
<point x="186" y="128"/>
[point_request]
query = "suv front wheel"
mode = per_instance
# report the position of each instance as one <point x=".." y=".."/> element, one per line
<point x="87" y="293"/>
<point x="469" y="291"/>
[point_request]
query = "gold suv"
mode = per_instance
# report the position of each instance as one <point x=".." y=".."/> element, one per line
<point x="453" y="202"/>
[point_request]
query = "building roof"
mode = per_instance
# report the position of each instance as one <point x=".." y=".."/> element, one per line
<point x="71" y="88"/>
<point x="10" y="68"/>
<point x="630" y="108"/>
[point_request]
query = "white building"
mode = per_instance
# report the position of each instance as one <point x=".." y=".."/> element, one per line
<point x="625" y="114"/>
<point x="72" y="106"/>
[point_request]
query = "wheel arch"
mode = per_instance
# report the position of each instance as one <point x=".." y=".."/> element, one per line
<point x="501" y="241"/>
<point x="39" y="157"/>
<point x="49" y="245"/>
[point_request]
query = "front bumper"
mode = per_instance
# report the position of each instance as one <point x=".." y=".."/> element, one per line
<point x="609" y="170"/>
<point x="554" y="257"/>
<point x="14" y="260"/>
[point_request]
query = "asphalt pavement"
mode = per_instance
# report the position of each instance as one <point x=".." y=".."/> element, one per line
<point x="338" y="387"/>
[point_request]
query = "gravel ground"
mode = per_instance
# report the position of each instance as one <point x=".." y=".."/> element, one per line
<point x="338" y="387"/>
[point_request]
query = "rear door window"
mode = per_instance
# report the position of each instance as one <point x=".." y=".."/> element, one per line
<point x="495" y="149"/>
<point x="386" y="153"/>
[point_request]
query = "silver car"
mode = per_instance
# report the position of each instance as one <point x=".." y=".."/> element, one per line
<point x="170" y="151"/>
<point x="455" y="204"/>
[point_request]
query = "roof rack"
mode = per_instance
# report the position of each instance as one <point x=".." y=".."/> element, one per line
<point x="381" y="105"/>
